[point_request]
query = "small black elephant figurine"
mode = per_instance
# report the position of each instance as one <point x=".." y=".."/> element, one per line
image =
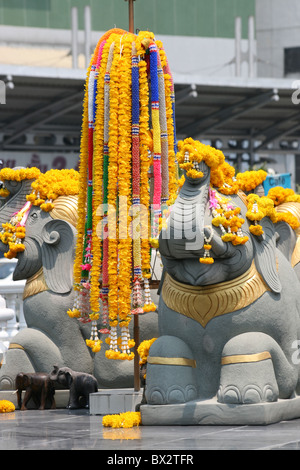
<point x="37" y="386"/>
<point x="80" y="385"/>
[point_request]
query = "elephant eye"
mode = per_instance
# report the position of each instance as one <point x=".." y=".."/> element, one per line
<point x="33" y="215"/>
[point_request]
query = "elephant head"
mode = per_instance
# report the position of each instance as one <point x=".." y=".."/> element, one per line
<point x="62" y="375"/>
<point x="194" y="223"/>
<point x="49" y="245"/>
<point x="47" y="248"/>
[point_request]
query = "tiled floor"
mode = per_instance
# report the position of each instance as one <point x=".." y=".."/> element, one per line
<point x="78" y="430"/>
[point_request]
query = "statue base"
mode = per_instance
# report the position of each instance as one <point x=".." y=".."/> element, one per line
<point x="113" y="401"/>
<point x="105" y="401"/>
<point x="61" y="398"/>
<point x="212" y="413"/>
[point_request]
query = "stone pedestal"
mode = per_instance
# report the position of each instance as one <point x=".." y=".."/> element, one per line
<point x="112" y="401"/>
<point x="212" y="413"/>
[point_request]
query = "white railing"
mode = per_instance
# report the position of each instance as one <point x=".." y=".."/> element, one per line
<point x="11" y="311"/>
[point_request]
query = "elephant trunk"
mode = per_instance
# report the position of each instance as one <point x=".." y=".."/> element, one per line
<point x="16" y="200"/>
<point x="184" y="234"/>
<point x="54" y="373"/>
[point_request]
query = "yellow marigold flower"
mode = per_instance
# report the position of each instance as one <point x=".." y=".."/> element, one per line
<point x="122" y="420"/>
<point x="6" y="406"/>
<point x="207" y="260"/>
<point x="143" y="350"/>
<point x="228" y="237"/>
<point x="256" y="230"/>
<point x="4" y="192"/>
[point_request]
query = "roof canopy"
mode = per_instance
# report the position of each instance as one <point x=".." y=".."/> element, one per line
<point x="255" y="116"/>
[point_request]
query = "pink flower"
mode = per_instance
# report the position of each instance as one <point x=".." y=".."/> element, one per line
<point x="212" y="199"/>
<point x="86" y="267"/>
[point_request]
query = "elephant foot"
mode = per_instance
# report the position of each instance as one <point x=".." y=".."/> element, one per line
<point x="170" y="375"/>
<point x="251" y="394"/>
<point x="247" y="378"/>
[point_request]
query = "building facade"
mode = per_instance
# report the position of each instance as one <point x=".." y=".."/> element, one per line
<point x="222" y="54"/>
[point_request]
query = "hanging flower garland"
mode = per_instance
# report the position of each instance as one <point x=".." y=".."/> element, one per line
<point x="136" y="178"/>
<point x="223" y="183"/>
<point x="144" y="349"/>
<point x="13" y="232"/>
<point x="226" y="216"/>
<point x="265" y="206"/>
<point x="119" y="151"/>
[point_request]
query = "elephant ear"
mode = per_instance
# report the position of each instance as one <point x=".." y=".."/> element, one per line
<point x="69" y="378"/>
<point x="57" y="255"/>
<point x="265" y="255"/>
<point x="286" y="239"/>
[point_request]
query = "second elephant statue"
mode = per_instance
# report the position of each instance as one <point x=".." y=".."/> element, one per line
<point x="229" y="308"/>
<point x="80" y="384"/>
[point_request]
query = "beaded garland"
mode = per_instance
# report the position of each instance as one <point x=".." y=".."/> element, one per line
<point x="128" y="76"/>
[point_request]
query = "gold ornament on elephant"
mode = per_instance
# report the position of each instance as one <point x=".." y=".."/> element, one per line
<point x="203" y="303"/>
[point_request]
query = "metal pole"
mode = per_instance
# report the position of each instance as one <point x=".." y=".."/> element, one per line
<point x="74" y="21"/>
<point x="87" y="34"/>
<point x="131" y="16"/>
<point x="238" y="39"/>
<point x="251" y="46"/>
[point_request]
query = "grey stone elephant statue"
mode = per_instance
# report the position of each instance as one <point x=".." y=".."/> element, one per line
<point x="80" y="385"/>
<point x="229" y="326"/>
<point x="46" y="262"/>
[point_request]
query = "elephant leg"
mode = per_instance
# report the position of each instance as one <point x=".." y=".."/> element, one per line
<point x="52" y="401"/>
<point x="170" y="372"/>
<point x="36" y="399"/>
<point x="254" y="370"/>
<point x="28" y="395"/>
<point x="19" y="397"/>
<point x="51" y="396"/>
<point x="73" y="398"/>
<point x="43" y="398"/>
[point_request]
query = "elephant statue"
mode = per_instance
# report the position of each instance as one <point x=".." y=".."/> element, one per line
<point x="80" y="385"/>
<point x="37" y="386"/>
<point x="45" y="259"/>
<point x="229" y="306"/>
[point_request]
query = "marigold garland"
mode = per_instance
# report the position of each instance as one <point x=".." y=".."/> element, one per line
<point x="222" y="177"/>
<point x="143" y="350"/>
<point x="120" y="155"/>
<point x="280" y="195"/>
<point x="122" y="420"/>
<point x="249" y="180"/>
<point x="12" y="174"/>
<point x="50" y="185"/>
<point x="46" y="187"/>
